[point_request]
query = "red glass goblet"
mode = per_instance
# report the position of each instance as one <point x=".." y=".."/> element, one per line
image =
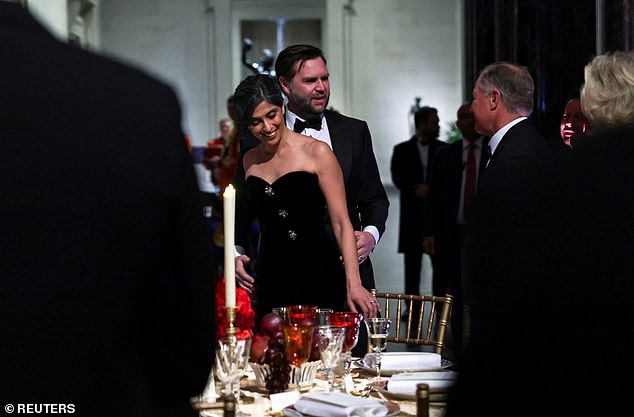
<point x="351" y="322"/>
<point x="302" y="315"/>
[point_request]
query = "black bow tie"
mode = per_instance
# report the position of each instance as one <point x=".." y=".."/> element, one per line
<point x="300" y="125"/>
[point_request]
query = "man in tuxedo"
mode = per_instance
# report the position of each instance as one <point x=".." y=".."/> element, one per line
<point x="505" y="252"/>
<point x="452" y="189"/>
<point x="411" y="171"/>
<point x="106" y="285"/>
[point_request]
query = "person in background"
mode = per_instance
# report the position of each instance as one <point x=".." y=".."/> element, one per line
<point x="573" y="122"/>
<point x="106" y="285"/>
<point x="292" y="181"/>
<point x="216" y="154"/>
<point x="411" y="171"/>
<point x="506" y="250"/>
<point x="454" y="177"/>
<point x="597" y="233"/>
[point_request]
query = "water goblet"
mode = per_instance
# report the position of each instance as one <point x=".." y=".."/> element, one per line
<point x="232" y="358"/>
<point x="351" y="322"/>
<point x="297" y="345"/>
<point x="378" y="329"/>
<point x="330" y="341"/>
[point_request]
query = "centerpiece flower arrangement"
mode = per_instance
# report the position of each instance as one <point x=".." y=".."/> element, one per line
<point x="245" y="316"/>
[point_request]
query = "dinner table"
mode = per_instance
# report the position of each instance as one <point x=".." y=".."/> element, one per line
<point x="256" y="401"/>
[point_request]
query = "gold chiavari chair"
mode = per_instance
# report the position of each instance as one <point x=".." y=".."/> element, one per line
<point x="427" y="318"/>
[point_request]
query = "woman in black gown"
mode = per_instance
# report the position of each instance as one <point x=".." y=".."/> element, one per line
<point x="292" y="183"/>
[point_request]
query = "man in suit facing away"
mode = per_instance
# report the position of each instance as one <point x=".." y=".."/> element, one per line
<point x="411" y="171"/>
<point x="454" y="176"/>
<point x="505" y="254"/>
<point x="106" y="292"/>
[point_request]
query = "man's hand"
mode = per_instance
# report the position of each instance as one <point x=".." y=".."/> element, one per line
<point x="365" y="244"/>
<point x="244" y="280"/>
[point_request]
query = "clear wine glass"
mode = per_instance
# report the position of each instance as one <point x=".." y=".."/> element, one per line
<point x="232" y="358"/>
<point x="323" y="316"/>
<point x="378" y="329"/>
<point x="330" y="341"/>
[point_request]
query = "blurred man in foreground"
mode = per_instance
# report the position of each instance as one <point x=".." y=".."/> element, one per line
<point x="106" y="294"/>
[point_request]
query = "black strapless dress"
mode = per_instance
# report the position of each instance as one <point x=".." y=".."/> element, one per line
<point x="297" y="261"/>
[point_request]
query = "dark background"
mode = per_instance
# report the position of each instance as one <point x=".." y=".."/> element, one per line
<point x="554" y="39"/>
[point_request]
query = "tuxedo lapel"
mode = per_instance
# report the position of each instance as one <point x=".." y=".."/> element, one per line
<point x="340" y="146"/>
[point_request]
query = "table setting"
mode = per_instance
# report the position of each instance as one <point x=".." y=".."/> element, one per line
<point x="298" y="362"/>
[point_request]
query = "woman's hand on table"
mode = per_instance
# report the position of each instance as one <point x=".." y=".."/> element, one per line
<point x="362" y="298"/>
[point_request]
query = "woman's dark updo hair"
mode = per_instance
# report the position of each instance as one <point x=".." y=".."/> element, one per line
<point x="252" y="91"/>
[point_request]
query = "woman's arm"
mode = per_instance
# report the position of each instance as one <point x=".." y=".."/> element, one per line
<point x="331" y="184"/>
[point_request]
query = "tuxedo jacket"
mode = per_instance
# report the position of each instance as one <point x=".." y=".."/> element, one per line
<point x="407" y="170"/>
<point x="352" y="144"/>
<point x="443" y="200"/>
<point x="505" y="254"/>
<point x="106" y="299"/>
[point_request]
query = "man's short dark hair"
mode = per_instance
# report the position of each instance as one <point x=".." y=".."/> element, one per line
<point x="286" y="60"/>
<point x="422" y="115"/>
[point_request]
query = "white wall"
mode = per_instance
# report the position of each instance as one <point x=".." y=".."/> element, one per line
<point x="52" y="13"/>
<point x="381" y="54"/>
<point x="400" y="49"/>
<point x="169" y="39"/>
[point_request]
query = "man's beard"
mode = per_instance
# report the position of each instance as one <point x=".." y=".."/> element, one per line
<point x="305" y="105"/>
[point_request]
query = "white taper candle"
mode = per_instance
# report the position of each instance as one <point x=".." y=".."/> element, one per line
<point x="229" y="214"/>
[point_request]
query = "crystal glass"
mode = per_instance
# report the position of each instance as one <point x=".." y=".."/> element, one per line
<point x="378" y="329"/>
<point x="302" y="315"/>
<point x="323" y="316"/>
<point x="330" y="341"/>
<point x="281" y="311"/>
<point x="297" y="345"/>
<point x="351" y="322"/>
<point x="232" y="360"/>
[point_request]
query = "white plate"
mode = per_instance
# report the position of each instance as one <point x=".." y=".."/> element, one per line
<point x="392" y="410"/>
<point x="444" y="363"/>
<point x="438" y="395"/>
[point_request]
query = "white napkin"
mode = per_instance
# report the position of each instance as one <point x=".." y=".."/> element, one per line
<point x="401" y="361"/>
<point x="338" y="404"/>
<point x="405" y="383"/>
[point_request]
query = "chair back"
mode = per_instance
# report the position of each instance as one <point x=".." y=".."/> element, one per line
<point x="426" y="320"/>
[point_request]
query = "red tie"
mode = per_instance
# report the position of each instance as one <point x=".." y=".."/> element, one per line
<point x="469" y="182"/>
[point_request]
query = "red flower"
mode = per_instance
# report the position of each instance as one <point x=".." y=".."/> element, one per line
<point x="245" y="316"/>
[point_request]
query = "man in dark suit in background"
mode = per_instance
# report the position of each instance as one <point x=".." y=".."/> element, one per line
<point x="106" y="278"/>
<point x="411" y="170"/>
<point x="304" y="79"/>
<point x="452" y="189"/>
<point x="505" y="252"/>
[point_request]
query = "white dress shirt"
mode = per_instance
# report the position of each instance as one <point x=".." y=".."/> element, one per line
<point x="497" y="136"/>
